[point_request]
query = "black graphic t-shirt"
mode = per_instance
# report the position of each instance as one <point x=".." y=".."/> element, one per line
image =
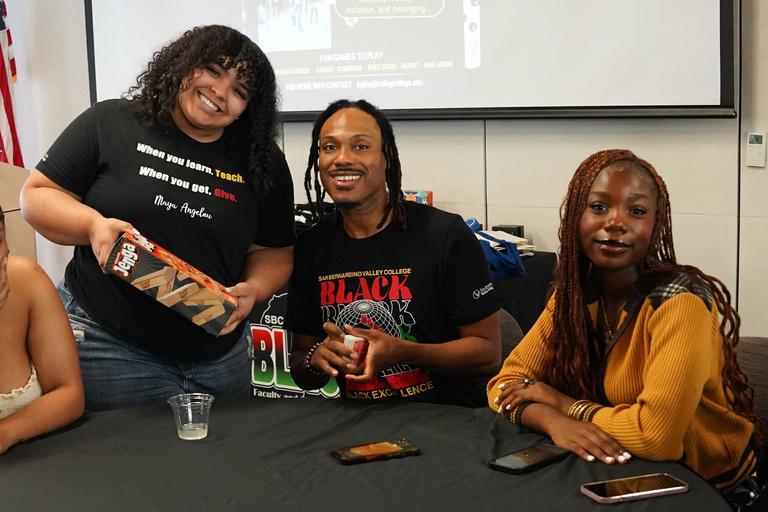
<point x="191" y="198"/>
<point x="417" y="283"/>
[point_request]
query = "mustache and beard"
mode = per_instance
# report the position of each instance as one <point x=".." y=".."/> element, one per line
<point x="351" y="205"/>
<point x="347" y="205"/>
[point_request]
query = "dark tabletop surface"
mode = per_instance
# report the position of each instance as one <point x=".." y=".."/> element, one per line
<point x="274" y="455"/>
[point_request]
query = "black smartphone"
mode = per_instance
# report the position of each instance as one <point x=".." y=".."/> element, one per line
<point x="634" y="488"/>
<point x="528" y="459"/>
<point x="375" y="451"/>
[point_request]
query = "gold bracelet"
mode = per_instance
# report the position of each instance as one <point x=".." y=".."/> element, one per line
<point x="576" y="408"/>
<point x="592" y="411"/>
<point x="513" y="416"/>
<point x="572" y="408"/>
<point x="517" y="413"/>
<point x="582" y="409"/>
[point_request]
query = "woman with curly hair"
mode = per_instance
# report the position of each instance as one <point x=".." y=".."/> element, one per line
<point x="634" y="353"/>
<point x="188" y="158"/>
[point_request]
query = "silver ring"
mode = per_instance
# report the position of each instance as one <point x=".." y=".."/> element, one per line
<point x="527" y="382"/>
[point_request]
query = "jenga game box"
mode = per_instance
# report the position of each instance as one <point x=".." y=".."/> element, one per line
<point x="171" y="280"/>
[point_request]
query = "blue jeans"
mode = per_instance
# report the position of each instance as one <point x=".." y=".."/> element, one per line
<point x="118" y="373"/>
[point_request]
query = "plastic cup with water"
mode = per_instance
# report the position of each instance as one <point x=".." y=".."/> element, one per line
<point x="191" y="411"/>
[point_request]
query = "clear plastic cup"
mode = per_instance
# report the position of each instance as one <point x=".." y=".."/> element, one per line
<point x="191" y="411"/>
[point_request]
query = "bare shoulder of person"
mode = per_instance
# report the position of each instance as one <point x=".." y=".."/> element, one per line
<point x="23" y="282"/>
<point x="26" y="277"/>
<point x="20" y="267"/>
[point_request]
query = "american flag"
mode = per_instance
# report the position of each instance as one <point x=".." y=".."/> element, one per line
<point x="10" y="151"/>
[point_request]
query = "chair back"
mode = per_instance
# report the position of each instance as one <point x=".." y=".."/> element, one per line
<point x="753" y="360"/>
<point x="511" y="333"/>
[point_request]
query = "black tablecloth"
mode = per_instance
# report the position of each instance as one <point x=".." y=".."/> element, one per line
<point x="525" y="297"/>
<point x="273" y="454"/>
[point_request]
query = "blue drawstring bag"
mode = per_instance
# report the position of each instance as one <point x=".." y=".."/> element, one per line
<point x="502" y="262"/>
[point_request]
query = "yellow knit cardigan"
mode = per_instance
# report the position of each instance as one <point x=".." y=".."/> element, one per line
<point x="663" y="383"/>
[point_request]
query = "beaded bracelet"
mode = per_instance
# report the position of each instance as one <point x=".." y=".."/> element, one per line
<point x="517" y="412"/>
<point x="308" y="365"/>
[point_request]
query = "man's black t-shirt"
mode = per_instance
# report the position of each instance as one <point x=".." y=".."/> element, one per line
<point x="191" y="198"/>
<point x="419" y="283"/>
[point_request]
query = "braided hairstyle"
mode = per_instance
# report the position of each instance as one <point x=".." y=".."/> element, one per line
<point x="157" y="89"/>
<point x="575" y="347"/>
<point x="393" y="171"/>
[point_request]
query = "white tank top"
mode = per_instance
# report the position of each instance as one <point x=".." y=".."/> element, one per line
<point x="20" y="397"/>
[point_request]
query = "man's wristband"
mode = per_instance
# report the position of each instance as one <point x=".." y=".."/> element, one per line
<point x="308" y="364"/>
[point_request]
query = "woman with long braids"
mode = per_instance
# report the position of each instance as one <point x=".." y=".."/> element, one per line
<point x="188" y="158"/>
<point x="634" y="353"/>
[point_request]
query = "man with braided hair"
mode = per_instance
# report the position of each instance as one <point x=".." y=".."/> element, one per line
<point x="630" y="355"/>
<point x="409" y="279"/>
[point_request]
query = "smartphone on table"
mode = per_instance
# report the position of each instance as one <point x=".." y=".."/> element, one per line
<point x="634" y="488"/>
<point x="356" y="454"/>
<point x="528" y="459"/>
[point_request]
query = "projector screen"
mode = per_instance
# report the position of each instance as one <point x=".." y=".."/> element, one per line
<point x="452" y="58"/>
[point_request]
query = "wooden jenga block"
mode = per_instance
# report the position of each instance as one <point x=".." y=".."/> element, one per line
<point x="203" y="297"/>
<point x="179" y="294"/>
<point x="208" y="314"/>
<point x="155" y="279"/>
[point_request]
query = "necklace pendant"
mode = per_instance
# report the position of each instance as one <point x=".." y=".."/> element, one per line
<point x="608" y="332"/>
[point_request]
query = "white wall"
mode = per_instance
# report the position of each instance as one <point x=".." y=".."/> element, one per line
<point x="525" y="166"/>
<point x="515" y="170"/>
<point x="51" y="88"/>
<point x="753" y="247"/>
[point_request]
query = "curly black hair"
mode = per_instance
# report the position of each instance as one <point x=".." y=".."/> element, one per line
<point x="393" y="172"/>
<point x="157" y="88"/>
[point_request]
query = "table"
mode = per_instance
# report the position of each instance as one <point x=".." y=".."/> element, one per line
<point x="525" y="297"/>
<point x="273" y="454"/>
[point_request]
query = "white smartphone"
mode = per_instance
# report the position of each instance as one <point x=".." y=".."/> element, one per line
<point x="634" y="488"/>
